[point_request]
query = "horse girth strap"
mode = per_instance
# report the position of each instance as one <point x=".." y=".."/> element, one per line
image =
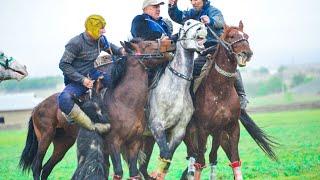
<point x="179" y="74"/>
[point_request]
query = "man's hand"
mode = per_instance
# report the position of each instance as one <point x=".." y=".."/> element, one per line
<point x="205" y="19"/>
<point x="88" y="83"/>
<point x="172" y="2"/>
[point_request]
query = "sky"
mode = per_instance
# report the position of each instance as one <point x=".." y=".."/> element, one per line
<point x="35" y="31"/>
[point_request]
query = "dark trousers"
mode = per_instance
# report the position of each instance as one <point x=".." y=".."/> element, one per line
<point x="75" y="90"/>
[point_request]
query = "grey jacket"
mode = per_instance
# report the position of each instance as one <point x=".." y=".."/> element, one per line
<point x="79" y="56"/>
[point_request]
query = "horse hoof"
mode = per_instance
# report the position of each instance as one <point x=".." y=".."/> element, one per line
<point x="157" y="176"/>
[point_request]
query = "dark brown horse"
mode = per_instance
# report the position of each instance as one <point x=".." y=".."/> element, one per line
<point x="217" y="107"/>
<point x="47" y="124"/>
<point x="125" y="104"/>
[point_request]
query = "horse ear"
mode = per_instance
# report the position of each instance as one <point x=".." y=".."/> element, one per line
<point x="127" y="47"/>
<point x="240" y="26"/>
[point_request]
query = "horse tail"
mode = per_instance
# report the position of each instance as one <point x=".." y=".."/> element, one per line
<point x="30" y="149"/>
<point x="263" y="140"/>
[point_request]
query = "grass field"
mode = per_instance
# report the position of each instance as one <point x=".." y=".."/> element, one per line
<point x="299" y="154"/>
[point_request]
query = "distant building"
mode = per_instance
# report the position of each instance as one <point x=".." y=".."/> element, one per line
<point x="16" y="109"/>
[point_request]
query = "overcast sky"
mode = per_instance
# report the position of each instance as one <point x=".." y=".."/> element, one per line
<point x="35" y="31"/>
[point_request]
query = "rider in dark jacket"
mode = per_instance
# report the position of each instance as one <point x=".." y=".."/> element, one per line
<point x="151" y="26"/>
<point x="77" y="65"/>
<point x="203" y="11"/>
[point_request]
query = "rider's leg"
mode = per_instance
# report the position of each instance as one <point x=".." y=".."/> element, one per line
<point x="240" y="90"/>
<point x="73" y="111"/>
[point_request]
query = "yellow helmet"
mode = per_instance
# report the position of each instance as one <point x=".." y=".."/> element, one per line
<point x="93" y="25"/>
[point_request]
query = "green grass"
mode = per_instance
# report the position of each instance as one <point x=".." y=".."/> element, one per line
<point x="299" y="153"/>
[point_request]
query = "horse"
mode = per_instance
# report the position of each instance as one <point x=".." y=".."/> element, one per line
<point x="217" y="108"/>
<point x="90" y="144"/>
<point x="170" y="104"/>
<point x="125" y="105"/>
<point x="10" y="68"/>
<point x="47" y="124"/>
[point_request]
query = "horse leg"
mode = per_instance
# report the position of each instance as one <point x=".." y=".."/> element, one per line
<point x="106" y="157"/>
<point x="61" y="145"/>
<point x="132" y="156"/>
<point x="116" y="159"/>
<point x="229" y="144"/>
<point x="216" y="137"/>
<point x="202" y="142"/>
<point x="191" y="144"/>
<point x="158" y="133"/>
<point x="44" y="142"/>
<point x="147" y="147"/>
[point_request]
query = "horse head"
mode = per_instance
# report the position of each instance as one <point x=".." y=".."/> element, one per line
<point x="192" y="35"/>
<point x="151" y="53"/>
<point x="238" y="44"/>
<point x="11" y="68"/>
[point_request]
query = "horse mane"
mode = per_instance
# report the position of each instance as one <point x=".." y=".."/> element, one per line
<point x="119" y="68"/>
<point x="118" y="71"/>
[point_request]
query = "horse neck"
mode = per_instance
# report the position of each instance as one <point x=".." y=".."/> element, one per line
<point x="224" y="62"/>
<point x="183" y="60"/>
<point x="135" y="81"/>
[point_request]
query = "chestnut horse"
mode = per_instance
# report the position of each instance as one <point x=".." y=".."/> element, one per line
<point x="47" y="124"/>
<point x="217" y="108"/>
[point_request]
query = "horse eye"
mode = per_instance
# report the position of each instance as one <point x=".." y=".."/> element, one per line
<point x="199" y="29"/>
<point x="188" y="23"/>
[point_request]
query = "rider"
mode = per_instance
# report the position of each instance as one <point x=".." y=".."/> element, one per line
<point x="77" y="65"/>
<point x="151" y="26"/>
<point x="203" y="11"/>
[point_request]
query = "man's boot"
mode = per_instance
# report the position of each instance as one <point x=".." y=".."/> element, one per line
<point x="240" y="91"/>
<point x="84" y="121"/>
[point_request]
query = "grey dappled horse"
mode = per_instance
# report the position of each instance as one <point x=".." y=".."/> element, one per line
<point x="170" y="103"/>
<point x="11" y="69"/>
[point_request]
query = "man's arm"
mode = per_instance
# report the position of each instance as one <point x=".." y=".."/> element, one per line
<point x="140" y="28"/>
<point x="71" y="51"/>
<point x="216" y="18"/>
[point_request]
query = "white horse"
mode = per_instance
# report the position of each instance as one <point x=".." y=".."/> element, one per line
<point x="11" y="69"/>
<point x="170" y="103"/>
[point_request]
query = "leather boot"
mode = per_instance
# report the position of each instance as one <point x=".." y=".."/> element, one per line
<point x="84" y="121"/>
<point x="240" y="91"/>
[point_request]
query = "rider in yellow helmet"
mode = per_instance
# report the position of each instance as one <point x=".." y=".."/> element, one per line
<point x="94" y="25"/>
<point x="77" y="63"/>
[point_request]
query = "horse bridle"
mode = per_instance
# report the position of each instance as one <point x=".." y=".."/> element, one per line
<point x="230" y="51"/>
<point x="175" y="72"/>
<point x="225" y="44"/>
<point x="156" y="55"/>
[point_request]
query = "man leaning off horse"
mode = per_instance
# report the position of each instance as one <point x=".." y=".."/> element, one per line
<point x="203" y="11"/>
<point x="77" y="65"/>
<point x="151" y="26"/>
